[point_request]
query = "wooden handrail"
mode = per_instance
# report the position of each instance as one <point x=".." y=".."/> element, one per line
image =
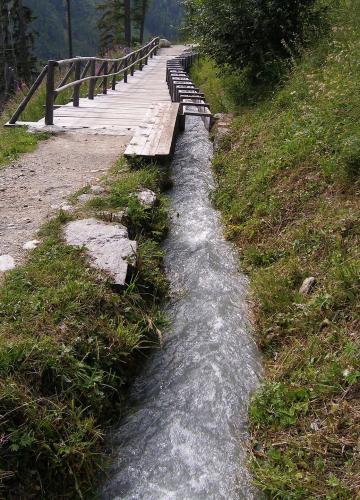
<point x="101" y="59"/>
<point x="109" y="67"/>
<point x="96" y="77"/>
<point x="29" y="95"/>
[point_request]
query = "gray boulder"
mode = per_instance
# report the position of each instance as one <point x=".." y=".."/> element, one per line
<point x="107" y="245"/>
<point x="164" y="44"/>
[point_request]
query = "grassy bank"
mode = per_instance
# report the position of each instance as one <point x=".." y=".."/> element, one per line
<point x="288" y="188"/>
<point x="69" y="346"/>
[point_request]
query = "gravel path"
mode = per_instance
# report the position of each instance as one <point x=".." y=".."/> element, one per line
<point x="34" y="187"/>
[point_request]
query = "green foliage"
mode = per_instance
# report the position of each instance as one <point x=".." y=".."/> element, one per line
<point x="164" y="18"/>
<point x="51" y="25"/>
<point x="278" y="405"/>
<point x="288" y="187"/>
<point x="114" y="23"/>
<point x="226" y="90"/>
<point x="249" y="34"/>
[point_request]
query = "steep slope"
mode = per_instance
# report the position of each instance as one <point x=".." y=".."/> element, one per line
<point x="288" y="186"/>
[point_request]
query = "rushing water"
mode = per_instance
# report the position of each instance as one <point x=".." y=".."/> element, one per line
<point x="184" y="437"/>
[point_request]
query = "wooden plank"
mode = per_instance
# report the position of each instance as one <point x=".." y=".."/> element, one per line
<point x="154" y="139"/>
<point x="140" y="138"/>
<point x="159" y="134"/>
<point x="153" y="130"/>
<point x="167" y="137"/>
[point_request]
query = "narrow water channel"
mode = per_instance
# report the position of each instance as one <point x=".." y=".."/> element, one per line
<point x="184" y="437"/>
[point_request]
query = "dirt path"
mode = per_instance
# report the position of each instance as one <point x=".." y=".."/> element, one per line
<point x="34" y="187"/>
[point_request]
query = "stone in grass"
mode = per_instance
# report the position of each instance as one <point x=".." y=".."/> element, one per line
<point x="118" y="216"/>
<point x="84" y="198"/>
<point x="6" y="263"/>
<point x="220" y="134"/>
<point x="65" y="207"/>
<point x="97" y="189"/>
<point x="146" y="197"/>
<point x="307" y="285"/>
<point x="107" y="245"/>
<point x="30" y="245"/>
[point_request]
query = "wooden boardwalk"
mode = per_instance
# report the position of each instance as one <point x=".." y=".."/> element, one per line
<point x="140" y="109"/>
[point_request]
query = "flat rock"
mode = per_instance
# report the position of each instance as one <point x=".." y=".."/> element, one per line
<point x="107" y="245"/>
<point x="146" y="197"/>
<point x="307" y="285"/>
<point x="6" y="263"/>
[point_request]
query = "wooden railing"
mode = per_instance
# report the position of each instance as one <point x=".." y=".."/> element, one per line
<point x="85" y="70"/>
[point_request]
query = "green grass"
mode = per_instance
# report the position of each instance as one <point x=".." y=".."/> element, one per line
<point x="14" y="142"/>
<point x="288" y="188"/>
<point x="69" y="346"/>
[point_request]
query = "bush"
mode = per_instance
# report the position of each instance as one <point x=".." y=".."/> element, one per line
<point x="252" y="34"/>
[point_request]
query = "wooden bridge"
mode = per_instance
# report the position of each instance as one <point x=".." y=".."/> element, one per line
<point x="144" y="96"/>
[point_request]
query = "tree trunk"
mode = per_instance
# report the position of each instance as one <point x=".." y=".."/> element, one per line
<point x="142" y="23"/>
<point x="24" y="67"/>
<point x="127" y="22"/>
<point x="69" y="27"/>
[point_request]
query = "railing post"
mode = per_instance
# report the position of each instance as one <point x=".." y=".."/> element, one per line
<point x="141" y="63"/>
<point x="50" y="93"/>
<point x="126" y="71"/>
<point x="76" y="94"/>
<point x="92" y="83"/>
<point x="132" y="69"/>
<point x="105" y="79"/>
<point x="115" y="69"/>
